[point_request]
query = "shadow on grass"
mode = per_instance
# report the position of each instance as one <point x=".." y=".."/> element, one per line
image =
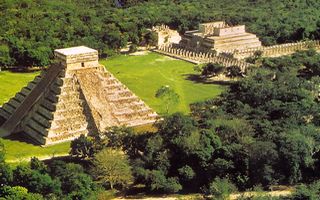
<point x="198" y="79"/>
<point x="24" y="69"/>
<point x="21" y="137"/>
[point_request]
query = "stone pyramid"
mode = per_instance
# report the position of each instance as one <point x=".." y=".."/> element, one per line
<point x="75" y="96"/>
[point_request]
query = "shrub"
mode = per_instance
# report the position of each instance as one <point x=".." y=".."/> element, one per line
<point x="221" y="188"/>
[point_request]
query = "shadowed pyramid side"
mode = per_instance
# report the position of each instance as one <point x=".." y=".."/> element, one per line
<point x="22" y="108"/>
<point x="60" y="115"/>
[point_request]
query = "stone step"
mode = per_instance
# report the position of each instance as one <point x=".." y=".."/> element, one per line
<point x="4" y="113"/>
<point x="37" y="126"/>
<point x="80" y="119"/>
<point x="231" y="38"/>
<point x="14" y="103"/>
<point x="34" y="134"/>
<point x="49" y="105"/>
<point x="114" y="86"/>
<point x="25" y="91"/>
<point x="68" y="127"/>
<point x="132" y="123"/>
<point x="238" y="43"/>
<point x="45" y="112"/>
<point x="131" y="106"/>
<point x="31" y="85"/>
<point x="8" y="108"/>
<point x="19" y="96"/>
<point x="123" y="99"/>
<point x="243" y="46"/>
<point x="63" y="97"/>
<point x="65" y="114"/>
<point x="64" y="81"/>
<point x="119" y="91"/>
<point x="41" y="119"/>
<point x="65" y="136"/>
<point x="133" y="115"/>
<point x="63" y="105"/>
<point x="38" y="78"/>
<point x="64" y="90"/>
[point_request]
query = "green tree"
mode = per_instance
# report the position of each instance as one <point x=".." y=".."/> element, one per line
<point x="296" y="154"/>
<point x="75" y="183"/>
<point x="158" y="182"/>
<point x="38" y="165"/>
<point x="82" y="147"/>
<point x="18" y="193"/>
<point x="5" y="59"/>
<point x="169" y="97"/>
<point x="263" y="162"/>
<point x="112" y="167"/>
<point x="6" y="175"/>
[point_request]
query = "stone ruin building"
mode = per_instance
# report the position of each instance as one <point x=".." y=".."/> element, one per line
<point x="166" y="35"/>
<point x="220" y="37"/>
<point x="75" y="95"/>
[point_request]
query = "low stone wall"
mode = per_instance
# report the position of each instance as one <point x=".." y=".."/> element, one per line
<point x="201" y="57"/>
<point x="276" y="50"/>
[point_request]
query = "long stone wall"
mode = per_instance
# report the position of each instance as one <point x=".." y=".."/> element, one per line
<point x="276" y="50"/>
<point x="200" y="57"/>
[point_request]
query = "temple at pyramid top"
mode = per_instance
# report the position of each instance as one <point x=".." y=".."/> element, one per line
<point x="77" y="57"/>
<point x="75" y="95"/>
<point x="219" y="36"/>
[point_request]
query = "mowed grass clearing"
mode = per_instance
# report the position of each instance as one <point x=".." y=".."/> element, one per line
<point x="11" y="83"/>
<point x="17" y="151"/>
<point x="145" y="74"/>
<point x="142" y="74"/>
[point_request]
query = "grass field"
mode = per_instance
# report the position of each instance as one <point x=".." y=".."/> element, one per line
<point x="17" y="151"/>
<point x="142" y="74"/>
<point x="145" y="74"/>
<point x="10" y="83"/>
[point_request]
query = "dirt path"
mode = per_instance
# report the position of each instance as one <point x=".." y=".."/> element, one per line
<point x="27" y="159"/>
<point x="194" y="197"/>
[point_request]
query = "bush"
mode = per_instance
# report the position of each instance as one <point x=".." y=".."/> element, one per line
<point x="221" y="188"/>
<point x="133" y="48"/>
<point x="212" y="69"/>
<point x="233" y="71"/>
<point x="82" y="147"/>
<point x="303" y="192"/>
<point x="158" y="182"/>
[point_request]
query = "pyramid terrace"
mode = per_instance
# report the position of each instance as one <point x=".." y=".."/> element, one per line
<point x="220" y="37"/>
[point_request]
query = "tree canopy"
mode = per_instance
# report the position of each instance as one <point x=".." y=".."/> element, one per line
<point x="109" y="25"/>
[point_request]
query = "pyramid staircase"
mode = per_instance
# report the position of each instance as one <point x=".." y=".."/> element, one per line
<point x="112" y="103"/>
<point x="61" y="104"/>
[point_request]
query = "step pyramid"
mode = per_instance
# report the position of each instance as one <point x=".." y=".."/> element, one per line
<point x="75" y="96"/>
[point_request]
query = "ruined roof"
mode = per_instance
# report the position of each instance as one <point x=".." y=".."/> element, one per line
<point x="75" y="50"/>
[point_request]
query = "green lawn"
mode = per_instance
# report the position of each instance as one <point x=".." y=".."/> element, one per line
<point x="17" y="151"/>
<point x="142" y="74"/>
<point x="11" y="83"/>
<point x="145" y="74"/>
